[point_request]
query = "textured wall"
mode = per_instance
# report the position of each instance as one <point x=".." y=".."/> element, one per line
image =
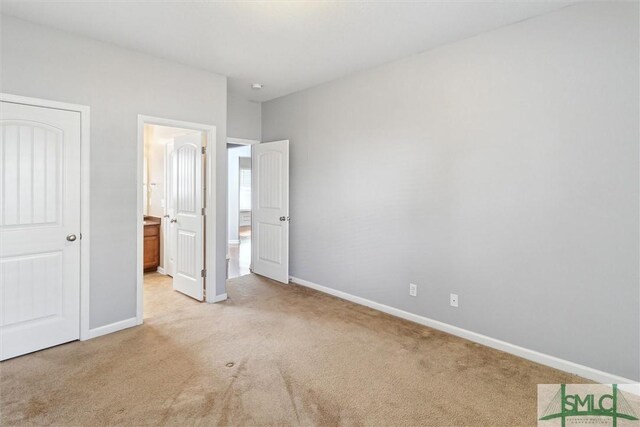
<point x="243" y="118"/>
<point x="117" y="84"/>
<point x="503" y="168"/>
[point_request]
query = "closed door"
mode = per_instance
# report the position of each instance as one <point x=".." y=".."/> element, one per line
<point x="39" y="228"/>
<point x="270" y="210"/>
<point x="188" y="220"/>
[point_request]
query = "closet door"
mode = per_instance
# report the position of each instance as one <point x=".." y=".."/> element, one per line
<point x="39" y="228"/>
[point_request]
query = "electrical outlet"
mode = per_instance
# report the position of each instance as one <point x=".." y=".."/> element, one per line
<point x="413" y="290"/>
<point x="453" y="300"/>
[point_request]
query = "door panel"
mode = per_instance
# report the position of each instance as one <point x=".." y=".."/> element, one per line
<point x="41" y="276"/>
<point x="40" y="207"/>
<point x="270" y="216"/>
<point x="269" y="241"/>
<point x="189" y="225"/>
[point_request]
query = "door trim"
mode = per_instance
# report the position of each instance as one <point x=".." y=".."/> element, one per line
<point x="210" y="197"/>
<point x="85" y="194"/>
<point x="242" y="141"/>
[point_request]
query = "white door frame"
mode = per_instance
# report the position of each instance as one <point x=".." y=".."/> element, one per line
<point x="210" y="197"/>
<point x="85" y="205"/>
<point x="241" y="141"/>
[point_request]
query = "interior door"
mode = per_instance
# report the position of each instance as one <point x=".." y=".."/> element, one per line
<point x="188" y="220"/>
<point x="270" y="204"/>
<point x="39" y="228"/>
<point x="170" y="227"/>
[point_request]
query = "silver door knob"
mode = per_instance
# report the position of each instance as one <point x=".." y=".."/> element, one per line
<point x="174" y="220"/>
<point x="71" y="237"/>
<point x="282" y="218"/>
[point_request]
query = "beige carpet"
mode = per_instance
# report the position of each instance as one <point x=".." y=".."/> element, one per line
<point x="271" y="355"/>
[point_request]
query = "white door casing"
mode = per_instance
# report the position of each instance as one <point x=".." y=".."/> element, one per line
<point x="270" y="210"/>
<point x="39" y="228"/>
<point x="188" y="220"/>
<point x="169" y="229"/>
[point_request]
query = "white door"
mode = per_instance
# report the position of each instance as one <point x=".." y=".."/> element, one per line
<point x="169" y="227"/>
<point x="270" y="209"/>
<point x="188" y="220"/>
<point x="39" y="228"/>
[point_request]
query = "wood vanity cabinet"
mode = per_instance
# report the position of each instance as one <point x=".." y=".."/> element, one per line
<point x="151" y="244"/>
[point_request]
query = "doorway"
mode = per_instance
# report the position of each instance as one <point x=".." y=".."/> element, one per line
<point x="159" y="197"/>
<point x="239" y="207"/>
<point x="176" y="208"/>
<point x="258" y="216"/>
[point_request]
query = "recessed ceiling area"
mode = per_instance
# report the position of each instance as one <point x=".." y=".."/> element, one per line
<point x="286" y="46"/>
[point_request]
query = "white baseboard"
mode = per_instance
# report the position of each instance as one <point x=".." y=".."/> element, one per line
<point x="234" y="242"/>
<point x="161" y="271"/>
<point x="525" y="353"/>
<point x="219" y="298"/>
<point x="112" y="327"/>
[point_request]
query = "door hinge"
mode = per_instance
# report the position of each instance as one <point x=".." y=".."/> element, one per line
<point x="204" y="211"/>
<point x="203" y="273"/>
<point x="204" y="150"/>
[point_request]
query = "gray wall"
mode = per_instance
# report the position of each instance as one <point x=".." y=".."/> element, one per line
<point x="118" y="85"/>
<point x="503" y="168"/>
<point x="243" y="118"/>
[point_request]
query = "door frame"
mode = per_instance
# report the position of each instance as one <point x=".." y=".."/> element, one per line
<point x="242" y="141"/>
<point x="85" y="194"/>
<point x="210" y="209"/>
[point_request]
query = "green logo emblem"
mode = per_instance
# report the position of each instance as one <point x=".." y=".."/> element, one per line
<point x="611" y="404"/>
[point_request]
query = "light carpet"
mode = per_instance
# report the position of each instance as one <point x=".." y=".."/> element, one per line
<point x="272" y="354"/>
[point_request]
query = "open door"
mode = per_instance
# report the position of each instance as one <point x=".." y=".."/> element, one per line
<point x="270" y="210"/>
<point x="188" y="221"/>
<point x="170" y="212"/>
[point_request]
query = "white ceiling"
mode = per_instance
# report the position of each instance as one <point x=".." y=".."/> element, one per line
<point x="286" y="45"/>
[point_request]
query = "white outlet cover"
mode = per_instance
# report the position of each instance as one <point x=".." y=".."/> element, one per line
<point x="413" y="289"/>
<point x="453" y="300"/>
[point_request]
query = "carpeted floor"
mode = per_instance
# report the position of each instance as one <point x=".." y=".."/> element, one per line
<point x="270" y="355"/>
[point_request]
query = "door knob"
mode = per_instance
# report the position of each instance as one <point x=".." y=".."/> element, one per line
<point x="282" y="218"/>
<point x="174" y="220"/>
<point x="71" y="237"/>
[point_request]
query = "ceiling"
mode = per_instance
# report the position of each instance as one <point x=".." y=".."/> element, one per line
<point x="286" y="45"/>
